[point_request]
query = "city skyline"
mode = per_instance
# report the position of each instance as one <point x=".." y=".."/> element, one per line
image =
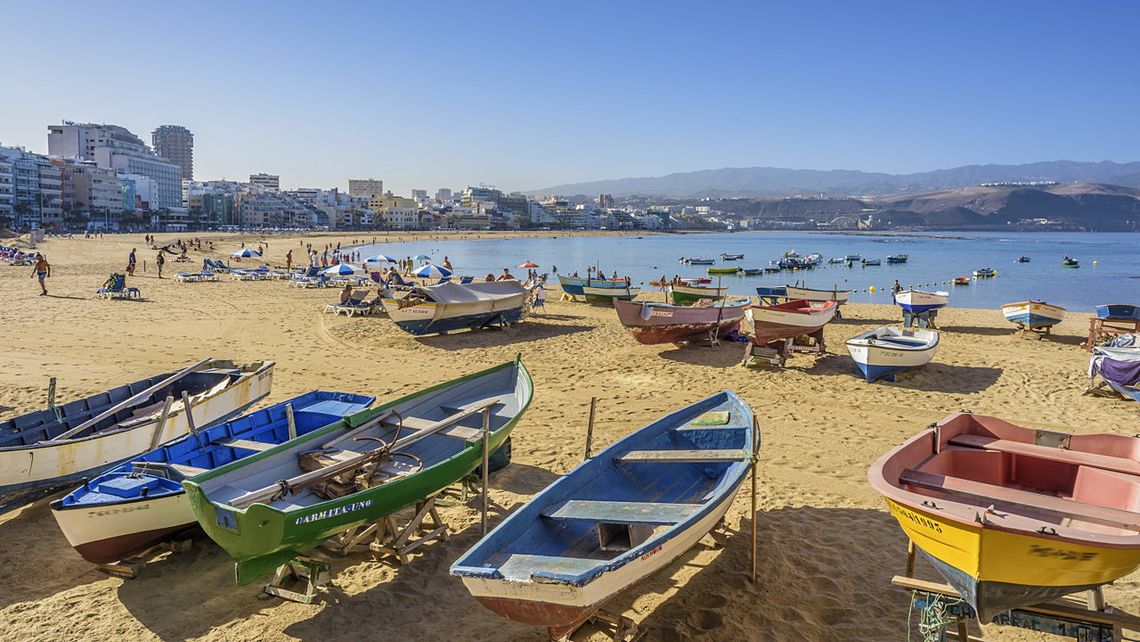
<point x="524" y="97"/>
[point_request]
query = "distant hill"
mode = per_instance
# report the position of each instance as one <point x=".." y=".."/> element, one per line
<point x="775" y="181"/>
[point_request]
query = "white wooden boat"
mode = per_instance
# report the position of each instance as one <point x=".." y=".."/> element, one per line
<point x="883" y="352"/>
<point x="1033" y="314"/>
<point x="451" y="306"/>
<point x="812" y="294"/>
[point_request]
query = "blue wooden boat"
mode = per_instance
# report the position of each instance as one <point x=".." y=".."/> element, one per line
<point x="575" y="286"/>
<point x="140" y="503"/>
<point x="772" y="293"/>
<point x="1125" y="311"/>
<point x="883" y="352"/>
<point x="615" y="519"/>
<point x="897" y="258"/>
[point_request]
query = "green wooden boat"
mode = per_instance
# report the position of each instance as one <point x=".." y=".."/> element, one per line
<point x="713" y="271"/>
<point x="690" y="294"/>
<point x="270" y="507"/>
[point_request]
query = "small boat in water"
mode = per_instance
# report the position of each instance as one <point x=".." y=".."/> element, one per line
<point x="266" y="509"/>
<point x="883" y="352"/>
<point x="58" y="446"/>
<point x="1033" y="314"/>
<point x="714" y="271"/>
<point x="852" y="258"/>
<point x="731" y="257"/>
<point x="836" y="260"/>
<point x="961" y="280"/>
<point x="606" y="296"/>
<point x="1070" y="263"/>
<point x="787" y="320"/>
<point x="699" y="261"/>
<point x="752" y="271"/>
<point x="1122" y="311"/>
<point x="1013" y="516"/>
<point x="655" y="323"/>
<point x="615" y="519"/>
<point x="141" y="503"/>
<point x="772" y="269"/>
<point x="897" y="258"/>
<point x="984" y="273"/>
<point x="698" y="280"/>
<point x="690" y="294"/>
<point x="871" y="262"/>
<point x="919" y="301"/>
<point x="447" y="307"/>
<point x="1023" y="259"/>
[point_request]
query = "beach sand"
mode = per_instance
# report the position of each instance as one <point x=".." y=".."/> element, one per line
<point x="827" y="547"/>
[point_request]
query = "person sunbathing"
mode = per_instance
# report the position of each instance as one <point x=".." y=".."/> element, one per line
<point x="346" y="294"/>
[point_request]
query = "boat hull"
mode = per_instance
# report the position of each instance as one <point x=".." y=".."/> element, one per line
<point x="24" y="476"/>
<point x="605" y="296"/>
<point x="688" y="295"/>
<point x="1123" y="311"/>
<point x="573" y="285"/>
<point x="772" y="323"/>
<point x="917" y="301"/>
<point x="670" y="324"/>
<point x="1033" y="314"/>
<point x="723" y="271"/>
<point x="877" y="359"/>
<point x="810" y="294"/>
<point x="109" y="533"/>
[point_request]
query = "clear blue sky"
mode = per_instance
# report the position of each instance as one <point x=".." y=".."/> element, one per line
<point x="524" y="95"/>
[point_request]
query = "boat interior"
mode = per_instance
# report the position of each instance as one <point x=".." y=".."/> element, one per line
<point x="627" y="498"/>
<point x="1089" y="483"/>
<point x="417" y="434"/>
<point x="160" y="471"/>
<point x="903" y="340"/>
<point x="45" y="425"/>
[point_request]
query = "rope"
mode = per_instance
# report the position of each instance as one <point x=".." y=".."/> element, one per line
<point x="933" y="620"/>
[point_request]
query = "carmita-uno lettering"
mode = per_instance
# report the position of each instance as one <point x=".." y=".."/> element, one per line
<point x="333" y="512"/>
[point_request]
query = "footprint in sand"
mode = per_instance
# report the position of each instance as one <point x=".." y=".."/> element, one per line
<point x="706" y="620"/>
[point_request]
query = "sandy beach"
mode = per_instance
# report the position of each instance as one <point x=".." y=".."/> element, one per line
<point x="827" y="547"/>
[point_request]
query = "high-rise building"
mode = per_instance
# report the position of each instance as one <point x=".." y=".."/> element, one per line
<point x="271" y="182"/>
<point x="605" y="201"/>
<point x="114" y="147"/>
<point x="176" y="144"/>
<point x="443" y="195"/>
<point x="419" y="195"/>
<point x="366" y="187"/>
<point x="31" y="188"/>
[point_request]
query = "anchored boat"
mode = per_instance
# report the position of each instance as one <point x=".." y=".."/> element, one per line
<point x="1070" y="263"/>
<point x="919" y="301"/>
<point x="871" y="262"/>
<point x="141" y="503"/>
<point x="450" y="306"/>
<point x="1033" y="314"/>
<point x="58" y="446"/>
<point x="961" y="280"/>
<point x="654" y="323"/>
<point x="270" y="507"/>
<point x="984" y="273"/>
<point x="1013" y="516"/>
<point x="883" y="352"/>
<point x="897" y="258"/>
<point x="731" y="257"/>
<point x="723" y="270"/>
<point x="615" y="520"/>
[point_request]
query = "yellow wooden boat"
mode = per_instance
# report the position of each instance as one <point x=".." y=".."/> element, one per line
<point x="1013" y="516"/>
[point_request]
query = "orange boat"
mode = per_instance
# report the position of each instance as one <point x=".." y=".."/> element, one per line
<point x="1013" y="516"/>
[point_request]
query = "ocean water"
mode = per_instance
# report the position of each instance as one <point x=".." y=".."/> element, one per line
<point x="1109" y="272"/>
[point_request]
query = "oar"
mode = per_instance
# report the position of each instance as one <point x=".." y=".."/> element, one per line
<point x="128" y="401"/>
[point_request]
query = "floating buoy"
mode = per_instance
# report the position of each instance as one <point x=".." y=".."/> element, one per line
<point x="872" y="288"/>
<point x="1096" y="262"/>
<point x="995" y="272"/>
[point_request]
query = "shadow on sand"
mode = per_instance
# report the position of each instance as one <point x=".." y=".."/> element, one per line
<point x="932" y="377"/>
<point x="698" y="353"/>
<point x="522" y="333"/>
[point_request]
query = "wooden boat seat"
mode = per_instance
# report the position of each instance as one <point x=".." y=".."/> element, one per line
<point x="246" y="444"/>
<point x="999" y="495"/>
<point x="521" y="566"/>
<point x="188" y="471"/>
<point x="417" y="423"/>
<point x="694" y="456"/>
<point x="1092" y="460"/>
<point x="623" y="512"/>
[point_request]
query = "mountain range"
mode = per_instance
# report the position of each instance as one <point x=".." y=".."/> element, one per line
<point x="737" y="182"/>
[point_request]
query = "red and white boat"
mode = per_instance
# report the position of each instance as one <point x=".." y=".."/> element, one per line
<point x="655" y="323"/>
<point x="788" y="320"/>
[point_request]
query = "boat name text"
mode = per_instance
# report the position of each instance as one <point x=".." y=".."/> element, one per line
<point x="333" y="512"/>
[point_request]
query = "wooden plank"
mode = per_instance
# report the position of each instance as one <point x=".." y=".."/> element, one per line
<point x="522" y="566"/>
<point x="189" y="471"/>
<point x="129" y="400"/>
<point x="623" y="512"/>
<point x="1093" y="460"/>
<point x="357" y="430"/>
<point x="246" y="444"/>
<point x="684" y="455"/>
<point x="999" y="495"/>
<point x="418" y="423"/>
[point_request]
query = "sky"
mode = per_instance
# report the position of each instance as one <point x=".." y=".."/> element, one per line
<point x="525" y="95"/>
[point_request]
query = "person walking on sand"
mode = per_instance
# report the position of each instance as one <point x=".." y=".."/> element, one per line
<point x="42" y="270"/>
<point x="160" y="260"/>
<point x="131" y="261"/>
<point x="289" y="260"/>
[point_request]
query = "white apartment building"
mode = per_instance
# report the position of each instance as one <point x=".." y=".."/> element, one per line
<point x="116" y="148"/>
<point x="400" y="218"/>
<point x="365" y="187"/>
<point x="271" y="182"/>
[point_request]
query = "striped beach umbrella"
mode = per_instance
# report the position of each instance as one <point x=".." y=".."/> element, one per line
<point x="380" y="258"/>
<point x="342" y="269"/>
<point x="245" y="253"/>
<point x="422" y="257"/>
<point x="431" y="271"/>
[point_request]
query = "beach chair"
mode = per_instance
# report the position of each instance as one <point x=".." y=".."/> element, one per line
<point x="354" y="304"/>
<point x="466" y="280"/>
<point x="116" y="288"/>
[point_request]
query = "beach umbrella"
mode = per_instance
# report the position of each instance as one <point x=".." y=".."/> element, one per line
<point x="422" y="257"/>
<point x="245" y="253"/>
<point x="432" y="271"/>
<point x="380" y="258"/>
<point x="528" y="265"/>
<point x="342" y="269"/>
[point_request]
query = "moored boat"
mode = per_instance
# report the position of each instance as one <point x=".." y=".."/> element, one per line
<point x="689" y="294"/>
<point x="140" y="503"/>
<point x="1023" y="259"/>
<point x="1070" y="263"/>
<point x="57" y="447"/>
<point x="605" y="296"/>
<point x="883" y="352"/>
<point x="1033" y="314"/>
<point x="852" y="258"/>
<point x="897" y="258"/>
<point x="836" y="260"/>
<point x="812" y="294"/>
<point x="787" y="320"/>
<point x="961" y="280"/>
<point x="752" y="271"/>
<point x="699" y="261"/>
<point x="614" y="520"/>
<point x="654" y="323"/>
<point x="919" y="301"/>
<point x="1122" y="311"/>
<point x="871" y="262"/>
<point x="450" y="306"/>
<point x="723" y="270"/>
<point x="731" y="257"/>
<point x="1013" y="516"/>
<point x="984" y="273"/>
<point x="270" y="507"/>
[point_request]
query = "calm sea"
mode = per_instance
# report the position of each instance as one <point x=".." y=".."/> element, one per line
<point x="1109" y="272"/>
